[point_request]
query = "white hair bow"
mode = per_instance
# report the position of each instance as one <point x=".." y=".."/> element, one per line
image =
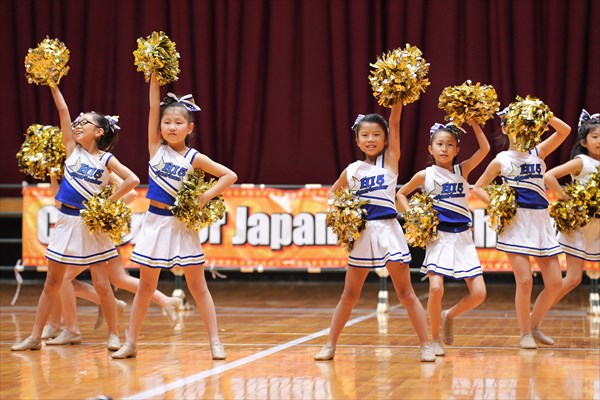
<point x="112" y="121"/>
<point x="359" y="118"/>
<point x="501" y="114"/>
<point x="586" y="116"/>
<point x="187" y="101"/>
<point x="458" y="131"/>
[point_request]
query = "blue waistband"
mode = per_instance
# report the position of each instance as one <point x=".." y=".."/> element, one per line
<point x="160" y="211"/>
<point x="390" y="215"/>
<point x="532" y="206"/>
<point x="452" y="228"/>
<point x="70" y="210"/>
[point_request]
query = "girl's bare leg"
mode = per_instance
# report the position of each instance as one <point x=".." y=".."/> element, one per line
<point x="354" y="281"/>
<point x="400" y="275"/>
<point x="50" y="293"/>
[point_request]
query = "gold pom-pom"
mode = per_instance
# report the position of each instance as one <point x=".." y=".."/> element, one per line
<point x="592" y="191"/>
<point x="503" y="206"/>
<point x="187" y="204"/>
<point x="401" y="74"/>
<point x="469" y="102"/>
<point x="573" y="213"/>
<point x="420" y="221"/>
<point x="526" y="121"/>
<point x="43" y="152"/>
<point x="47" y="63"/>
<point x="345" y="217"/>
<point x="581" y="207"/>
<point x="157" y="53"/>
<point x="106" y="216"/>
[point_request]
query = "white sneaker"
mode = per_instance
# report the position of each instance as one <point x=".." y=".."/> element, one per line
<point x="113" y="343"/>
<point x="171" y="310"/>
<point x="326" y="353"/>
<point x="50" y="332"/>
<point x="447" y="328"/>
<point x="540" y="337"/>
<point x="427" y="354"/>
<point x="438" y="349"/>
<point x="527" y="342"/>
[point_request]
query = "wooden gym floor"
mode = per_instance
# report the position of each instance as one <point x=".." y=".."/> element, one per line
<point x="271" y="331"/>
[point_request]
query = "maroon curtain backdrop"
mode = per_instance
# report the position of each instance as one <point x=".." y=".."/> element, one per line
<point x="280" y="82"/>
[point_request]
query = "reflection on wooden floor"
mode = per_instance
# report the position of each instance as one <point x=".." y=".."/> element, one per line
<point x="271" y="331"/>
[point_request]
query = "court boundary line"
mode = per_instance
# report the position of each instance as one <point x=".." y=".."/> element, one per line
<point x="160" y="390"/>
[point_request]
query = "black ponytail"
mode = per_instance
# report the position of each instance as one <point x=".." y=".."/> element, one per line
<point x="110" y="138"/>
<point x="582" y="133"/>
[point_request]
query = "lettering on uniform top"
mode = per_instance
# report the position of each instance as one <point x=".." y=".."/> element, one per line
<point x="447" y="190"/>
<point x="530" y="169"/>
<point x="169" y="170"/>
<point x="525" y="171"/>
<point x="173" y="169"/>
<point x="90" y="171"/>
<point x="371" y="184"/>
<point x="450" y="188"/>
<point x="86" y="172"/>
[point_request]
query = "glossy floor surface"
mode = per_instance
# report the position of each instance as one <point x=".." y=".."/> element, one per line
<point x="271" y="332"/>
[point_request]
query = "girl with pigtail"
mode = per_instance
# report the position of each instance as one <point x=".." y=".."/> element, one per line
<point x="529" y="233"/>
<point x="382" y="243"/>
<point x="119" y="278"/>
<point x="453" y="254"/>
<point x="89" y="163"/>
<point x="165" y="241"/>
<point x="582" y="244"/>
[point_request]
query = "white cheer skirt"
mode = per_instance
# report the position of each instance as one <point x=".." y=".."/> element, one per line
<point x="453" y="255"/>
<point x="164" y="242"/>
<point x="73" y="243"/>
<point x="381" y="241"/>
<point x="530" y="233"/>
<point x="125" y="239"/>
<point x="583" y="243"/>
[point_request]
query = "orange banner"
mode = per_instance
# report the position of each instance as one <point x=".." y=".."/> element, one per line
<point x="263" y="228"/>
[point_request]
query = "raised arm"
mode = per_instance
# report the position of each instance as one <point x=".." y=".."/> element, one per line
<point x="408" y="188"/>
<point x="65" y="119"/>
<point x="551" y="177"/>
<point x="393" y="149"/>
<point x="154" y="137"/>
<point x="225" y="177"/>
<point x="484" y="148"/>
<point x="54" y="185"/>
<point x="550" y="144"/>
<point x="491" y="172"/>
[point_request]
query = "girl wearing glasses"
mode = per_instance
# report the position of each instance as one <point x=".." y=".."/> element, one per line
<point x="87" y="168"/>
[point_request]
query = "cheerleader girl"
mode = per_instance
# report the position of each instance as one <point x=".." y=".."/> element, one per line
<point x="581" y="244"/>
<point x="453" y="254"/>
<point x="165" y="241"/>
<point x="87" y="169"/>
<point x="529" y="233"/>
<point x="81" y="289"/>
<point x="382" y="242"/>
<point x="72" y="288"/>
